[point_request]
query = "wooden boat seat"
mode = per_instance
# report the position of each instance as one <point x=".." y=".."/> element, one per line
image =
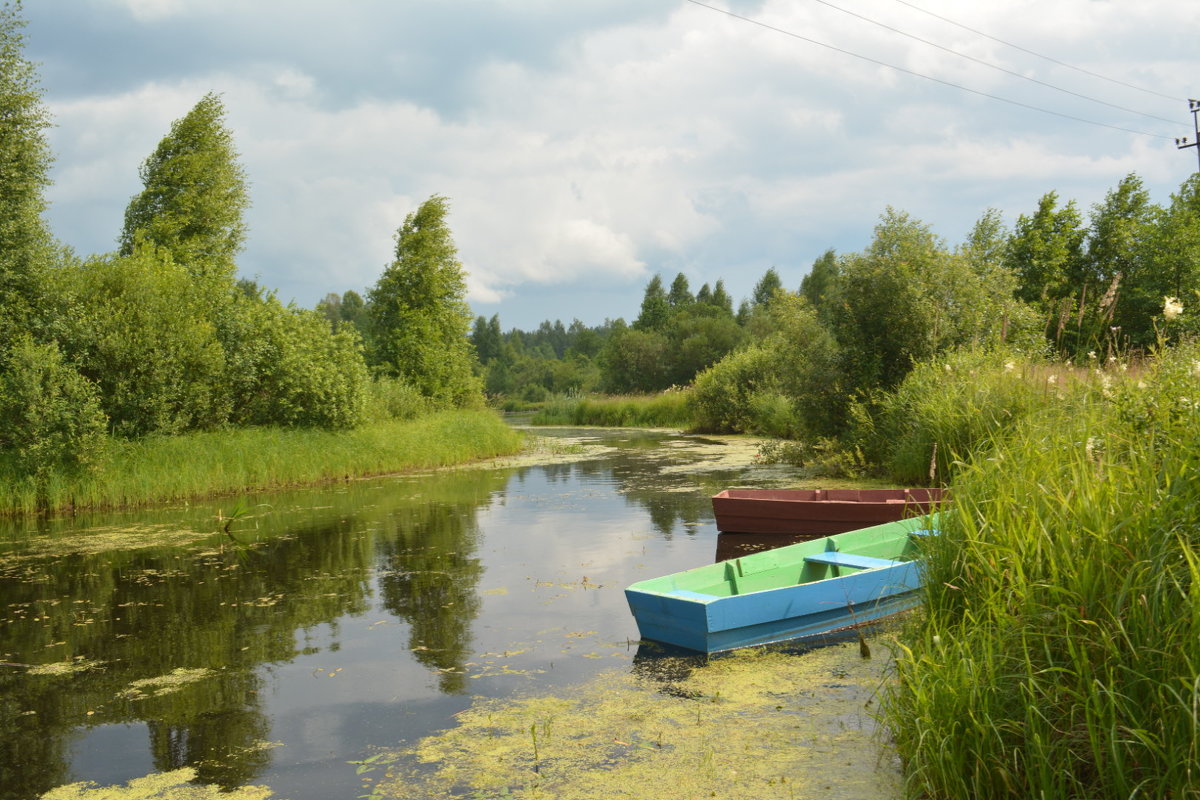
<point x="836" y="559"/>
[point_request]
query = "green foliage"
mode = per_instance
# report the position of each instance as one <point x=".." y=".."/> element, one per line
<point x="724" y="394"/>
<point x="288" y="368"/>
<point x="1046" y="252"/>
<point x="680" y="295"/>
<point x="419" y="317"/>
<point x="907" y="298"/>
<point x="697" y="339"/>
<point x="193" y="198"/>
<point x="951" y="407"/>
<point x="1057" y="653"/>
<point x="785" y="384"/>
<point x="656" y="308"/>
<point x="138" y="327"/>
<point x="347" y="310"/>
<point x="664" y="410"/>
<point x="1167" y="265"/>
<point x="635" y="360"/>
<point x="393" y="399"/>
<point x="50" y="417"/>
<point x="26" y="248"/>
<point x="818" y="285"/>
<point x="767" y="286"/>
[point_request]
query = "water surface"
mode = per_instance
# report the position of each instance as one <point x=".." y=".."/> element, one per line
<point x="333" y="621"/>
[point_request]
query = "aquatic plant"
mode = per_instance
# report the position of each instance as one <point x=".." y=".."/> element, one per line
<point x="173" y="785"/>
<point x="754" y="725"/>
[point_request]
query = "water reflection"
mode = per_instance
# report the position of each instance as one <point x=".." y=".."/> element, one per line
<point x="218" y="610"/>
<point x="355" y="615"/>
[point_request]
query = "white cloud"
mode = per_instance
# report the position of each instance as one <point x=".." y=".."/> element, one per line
<point x="684" y="141"/>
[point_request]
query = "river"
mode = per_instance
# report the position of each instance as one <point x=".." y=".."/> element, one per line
<point x="330" y="622"/>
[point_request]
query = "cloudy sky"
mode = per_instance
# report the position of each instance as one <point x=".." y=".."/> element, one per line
<point x="586" y="145"/>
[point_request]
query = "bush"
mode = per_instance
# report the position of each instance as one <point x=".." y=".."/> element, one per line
<point x="50" y="417"/>
<point x="722" y="397"/>
<point x="288" y="368"/>
<point x="955" y="403"/>
<point x="140" y="329"/>
<point x="394" y="399"/>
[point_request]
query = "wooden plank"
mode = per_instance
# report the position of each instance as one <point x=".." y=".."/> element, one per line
<point x="837" y="559"/>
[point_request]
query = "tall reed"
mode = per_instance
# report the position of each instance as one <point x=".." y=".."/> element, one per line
<point x="664" y="410"/>
<point x="1058" y="654"/>
<point x="158" y="469"/>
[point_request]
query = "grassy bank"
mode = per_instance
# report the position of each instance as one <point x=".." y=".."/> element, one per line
<point x="161" y="469"/>
<point x="666" y="410"/>
<point x="1058" y="653"/>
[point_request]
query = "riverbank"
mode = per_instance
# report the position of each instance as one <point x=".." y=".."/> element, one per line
<point x="1057" y="652"/>
<point x="165" y="469"/>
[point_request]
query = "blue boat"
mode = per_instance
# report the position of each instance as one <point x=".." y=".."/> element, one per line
<point x="801" y="590"/>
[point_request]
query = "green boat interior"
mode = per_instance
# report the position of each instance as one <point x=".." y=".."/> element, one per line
<point x="808" y="562"/>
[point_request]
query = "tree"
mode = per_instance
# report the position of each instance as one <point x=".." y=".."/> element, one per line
<point x="486" y="337"/>
<point x="906" y="298"/>
<point x="418" y="312"/>
<point x="26" y="247"/>
<point x="680" y="296"/>
<point x="655" y="307"/>
<point x="721" y="298"/>
<point x="1170" y="266"/>
<point x="816" y="286"/>
<point x="634" y="360"/>
<point x="1118" y="253"/>
<point x="1045" y="252"/>
<point x="194" y="196"/>
<point x="764" y="290"/>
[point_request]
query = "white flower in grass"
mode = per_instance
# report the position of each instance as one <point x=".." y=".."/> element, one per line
<point x="948" y="368"/>
<point x="1092" y="354"/>
<point x="1009" y="366"/>
<point x="1196" y="368"/>
<point x="1052" y="379"/>
<point x="1172" y="308"/>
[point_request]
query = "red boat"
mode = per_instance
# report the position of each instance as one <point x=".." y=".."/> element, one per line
<point x="751" y="520"/>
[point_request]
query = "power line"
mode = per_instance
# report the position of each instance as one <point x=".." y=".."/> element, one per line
<point x="991" y="65"/>
<point x="1039" y="55"/>
<point x="926" y="77"/>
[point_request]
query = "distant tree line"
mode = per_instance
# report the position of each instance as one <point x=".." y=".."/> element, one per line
<point x="161" y="338"/>
<point x="795" y="362"/>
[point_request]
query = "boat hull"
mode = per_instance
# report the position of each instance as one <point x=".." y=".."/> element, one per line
<point x="817" y="512"/>
<point x="784" y="594"/>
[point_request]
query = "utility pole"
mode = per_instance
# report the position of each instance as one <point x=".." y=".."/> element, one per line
<point x="1194" y="107"/>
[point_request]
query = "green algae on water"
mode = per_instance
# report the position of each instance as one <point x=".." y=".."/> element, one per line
<point x="171" y="785"/>
<point x="61" y="668"/>
<point x="756" y="724"/>
<point x="164" y="684"/>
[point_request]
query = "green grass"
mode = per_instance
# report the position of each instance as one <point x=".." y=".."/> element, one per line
<point x="666" y="410"/>
<point x="162" y="469"/>
<point x="1058" y="653"/>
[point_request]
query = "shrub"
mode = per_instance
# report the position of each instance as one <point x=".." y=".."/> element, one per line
<point x="50" y="417"/>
